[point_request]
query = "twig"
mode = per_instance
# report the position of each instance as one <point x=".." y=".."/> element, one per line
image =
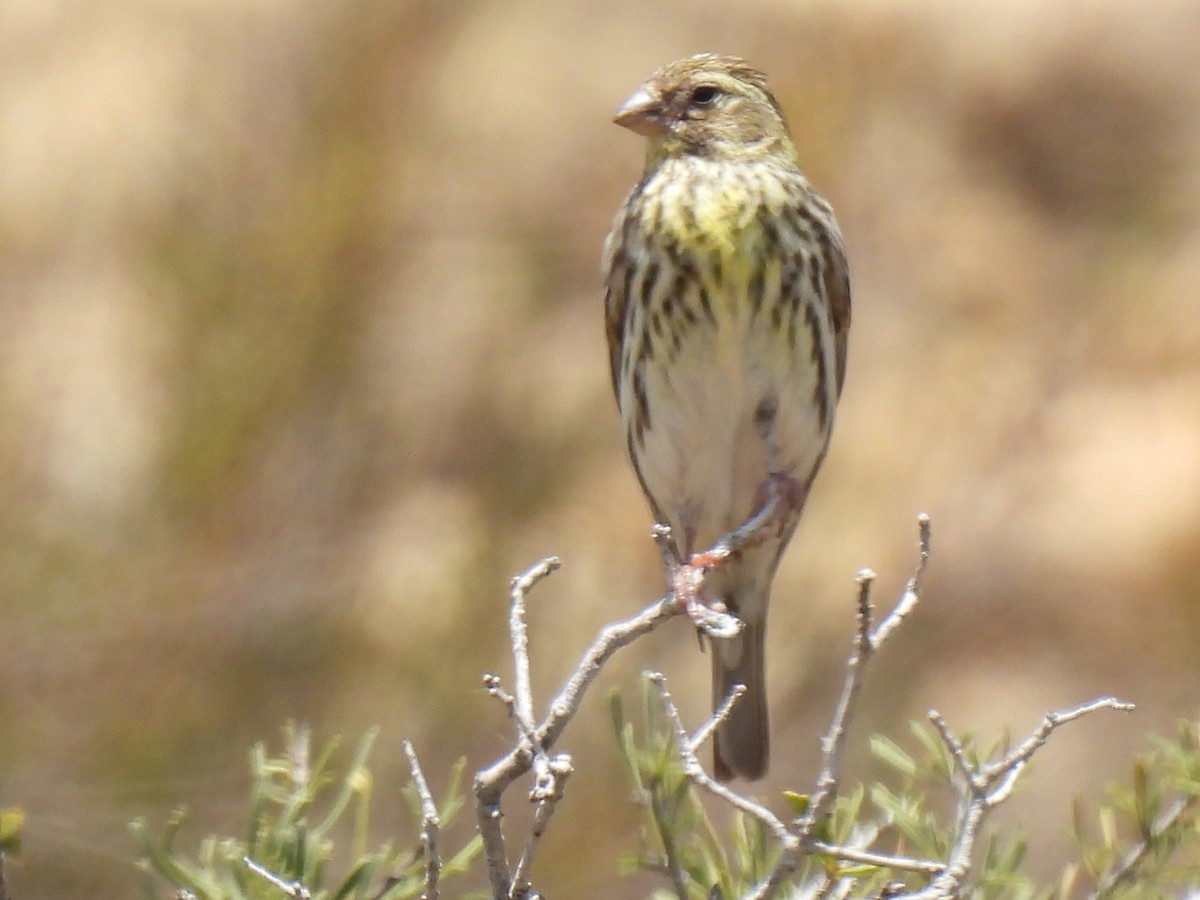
<point x="661" y="532"/>
<point x="834" y="741"/>
<point x="695" y="771"/>
<point x="673" y="865"/>
<point x="957" y="752"/>
<point x="492" y="683"/>
<point x="1125" y="870"/>
<point x="883" y="860"/>
<point x="987" y="785"/>
<point x="430" y="825"/>
<point x="521" y="587"/>
<point x="823" y="796"/>
<point x="538" y="739"/>
<point x="291" y="888"/>
<point x="794" y="840"/>
<point x="981" y="786"/>
<point x="1037" y="738"/>
<point x="867" y="640"/>
<point x="912" y="590"/>
<point x="546" y="794"/>
<point x="720" y="714"/>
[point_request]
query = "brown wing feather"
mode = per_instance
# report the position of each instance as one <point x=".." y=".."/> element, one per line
<point x="836" y="276"/>
<point x="616" y="303"/>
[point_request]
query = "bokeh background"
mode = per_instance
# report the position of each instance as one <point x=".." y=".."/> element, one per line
<point x="302" y="358"/>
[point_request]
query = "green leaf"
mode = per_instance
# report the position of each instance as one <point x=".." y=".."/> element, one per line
<point x="798" y="802"/>
<point x="12" y="819"/>
<point x="890" y="754"/>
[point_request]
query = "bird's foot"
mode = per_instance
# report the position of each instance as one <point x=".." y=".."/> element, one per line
<point x="708" y="613"/>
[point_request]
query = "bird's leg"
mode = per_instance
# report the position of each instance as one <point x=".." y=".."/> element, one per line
<point x="777" y="504"/>
<point x="777" y="501"/>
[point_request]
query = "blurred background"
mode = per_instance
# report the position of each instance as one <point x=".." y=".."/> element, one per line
<point x="302" y="358"/>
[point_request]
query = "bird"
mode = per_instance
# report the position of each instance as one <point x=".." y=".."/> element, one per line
<point x="727" y="312"/>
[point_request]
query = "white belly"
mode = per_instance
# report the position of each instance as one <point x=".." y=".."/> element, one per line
<point x="704" y="457"/>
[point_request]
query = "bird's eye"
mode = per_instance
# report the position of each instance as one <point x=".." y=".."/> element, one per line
<point x="705" y="95"/>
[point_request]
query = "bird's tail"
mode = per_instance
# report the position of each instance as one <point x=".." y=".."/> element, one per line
<point x="741" y="745"/>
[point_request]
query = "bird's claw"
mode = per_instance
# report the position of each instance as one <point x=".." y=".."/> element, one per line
<point x="707" y="613"/>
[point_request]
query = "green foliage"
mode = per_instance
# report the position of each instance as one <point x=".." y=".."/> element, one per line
<point x="1148" y="842"/>
<point x="304" y="816"/>
<point x="1145" y="839"/>
<point x="309" y="825"/>
<point x="927" y="783"/>
<point x="680" y="839"/>
<point x="12" y="820"/>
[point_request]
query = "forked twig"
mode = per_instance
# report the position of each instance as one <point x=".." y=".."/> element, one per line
<point x="537" y="738"/>
<point x="867" y="639"/>
<point x="987" y="785"/>
<point x="695" y="771"/>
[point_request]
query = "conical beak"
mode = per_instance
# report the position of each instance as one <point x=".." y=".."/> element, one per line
<point x="642" y="113"/>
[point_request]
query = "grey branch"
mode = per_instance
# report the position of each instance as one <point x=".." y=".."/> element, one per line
<point x="912" y="590"/>
<point x="867" y="639"/>
<point x="430" y="825"/>
<point x="695" y="771"/>
<point x="1124" y="871"/>
<point x="884" y="860"/>
<point x="290" y="888"/>
<point x="536" y="739"/>
<point x="981" y="787"/>
<point x="548" y="790"/>
<point x="719" y="715"/>
<point x="987" y="785"/>
<point x="521" y="587"/>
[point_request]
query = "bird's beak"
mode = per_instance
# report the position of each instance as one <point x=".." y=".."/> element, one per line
<point x="642" y="113"/>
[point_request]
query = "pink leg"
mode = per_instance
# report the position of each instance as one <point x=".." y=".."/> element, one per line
<point x="777" y="503"/>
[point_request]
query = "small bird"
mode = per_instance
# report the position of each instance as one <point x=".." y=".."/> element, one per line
<point x="727" y="310"/>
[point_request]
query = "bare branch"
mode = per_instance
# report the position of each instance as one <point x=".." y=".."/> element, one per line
<point x="982" y="786"/>
<point x="1037" y="738"/>
<point x="833" y="743"/>
<point x="957" y="752"/>
<point x="866" y="641"/>
<point x="661" y="532"/>
<point x="547" y="793"/>
<point x="695" y="771"/>
<point x="883" y="860"/>
<point x="430" y="825"/>
<point x="536" y="739"/>
<point x="912" y="590"/>
<point x="720" y="714"/>
<point x="290" y="888"/>
<point x="1125" y="869"/>
<point x="986" y="786"/>
<point x="674" y="870"/>
<point x="492" y="683"/>
<point x="521" y="586"/>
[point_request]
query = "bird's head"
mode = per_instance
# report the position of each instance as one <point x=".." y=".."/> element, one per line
<point x="707" y="105"/>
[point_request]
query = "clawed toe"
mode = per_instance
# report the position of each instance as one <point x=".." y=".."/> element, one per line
<point x="708" y="613"/>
